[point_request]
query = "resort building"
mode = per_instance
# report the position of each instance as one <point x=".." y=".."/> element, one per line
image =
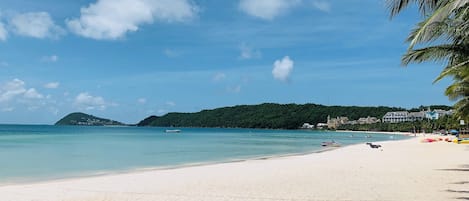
<point x="416" y="116"/>
<point x="334" y="123"/>
<point x="321" y="125"/>
<point x="404" y="116"/>
<point x="368" y="120"/>
<point x="396" y="117"/>
<point x="307" y="126"/>
<point x="436" y="114"/>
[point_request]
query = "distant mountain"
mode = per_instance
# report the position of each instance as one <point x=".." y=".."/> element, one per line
<point x="147" y="121"/>
<point x="267" y="115"/>
<point x="83" y="119"/>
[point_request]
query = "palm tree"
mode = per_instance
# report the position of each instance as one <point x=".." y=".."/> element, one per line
<point x="444" y="35"/>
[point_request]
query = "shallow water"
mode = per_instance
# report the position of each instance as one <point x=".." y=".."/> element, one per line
<point x="32" y="153"/>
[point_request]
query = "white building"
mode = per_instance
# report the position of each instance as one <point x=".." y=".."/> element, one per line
<point x="396" y="117"/>
<point x="404" y="116"/>
<point x="307" y="126"/>
<point x="416" y="116"/>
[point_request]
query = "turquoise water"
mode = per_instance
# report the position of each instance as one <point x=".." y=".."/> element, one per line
<point x="32" y="153"/>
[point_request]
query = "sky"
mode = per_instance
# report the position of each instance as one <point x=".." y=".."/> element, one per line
<point x="129" y="59"/>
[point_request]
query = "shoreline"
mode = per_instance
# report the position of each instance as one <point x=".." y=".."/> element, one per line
<point x="104" y="173"/>
<point x="171" y="167"/>
<point x="387" y="133"/>
<point x="417" y="171"/>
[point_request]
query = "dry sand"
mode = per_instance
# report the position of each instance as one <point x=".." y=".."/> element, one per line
<point x="402" y="170"/>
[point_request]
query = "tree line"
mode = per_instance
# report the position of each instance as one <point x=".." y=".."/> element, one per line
<point x="267" y="115"/>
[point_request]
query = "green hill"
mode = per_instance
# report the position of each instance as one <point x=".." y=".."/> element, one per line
<point x="83" y="119"/>
<point x="267" y="115"/>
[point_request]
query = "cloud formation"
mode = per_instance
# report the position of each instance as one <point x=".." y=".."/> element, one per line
<point x="219" y="77"/>
<point x="3" y="32"/>
<point x="36" y="25"/>
<point x="52" y="58"/>
<point x="17" y="89"/>
<point x="282" y="69"/>
<point x="52" y="85"/>
<point x="141" y="100"/>
<point x="248" y="52"/>
<point x="233" y="89"/>
<point x="113" y="19"/>
<point x="171" y="53"/>
<point x="267" y="9"/>
<point x="170" y="103"/>
<point x="32" y="94"/>
<point x="88" y="102"/>
<point x="322" y="6"/>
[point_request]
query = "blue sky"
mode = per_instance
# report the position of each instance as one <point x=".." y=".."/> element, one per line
<point x="129" y="59"/>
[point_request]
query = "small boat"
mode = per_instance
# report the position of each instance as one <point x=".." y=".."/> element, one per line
<point x="330" y="144"/>
<point x="172" y="131"/>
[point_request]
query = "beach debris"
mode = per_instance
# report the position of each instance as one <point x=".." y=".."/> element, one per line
<point x="373" y="146"/>
<point x="332" y="143"/>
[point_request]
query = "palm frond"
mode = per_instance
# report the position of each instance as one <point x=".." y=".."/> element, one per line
<point x="425" y="6"/>
<point x="452" y="70"/>
<point x="433" y="53"/>
<point x="423" y="33"/>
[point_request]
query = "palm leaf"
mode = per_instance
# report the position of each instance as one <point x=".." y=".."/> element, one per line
<point x="451" y="70"/>
<point x="433" y="53"/>
<point x="423" y="33"/>
<point x="425" y="6"/>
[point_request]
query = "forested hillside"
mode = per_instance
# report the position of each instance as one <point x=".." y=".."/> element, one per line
<point x="267" y="115"/>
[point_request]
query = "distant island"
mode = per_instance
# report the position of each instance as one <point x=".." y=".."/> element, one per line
<point x="82" y="119"/>
<point x="280" y="116"/>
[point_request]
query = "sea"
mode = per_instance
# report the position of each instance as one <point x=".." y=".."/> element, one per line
<point x="31" y="153"/>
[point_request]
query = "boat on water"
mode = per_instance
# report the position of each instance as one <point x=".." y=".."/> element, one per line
<point x="172" y="131"/>
<point x="330" y="144"/>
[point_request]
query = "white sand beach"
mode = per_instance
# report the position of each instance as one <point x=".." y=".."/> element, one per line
<point x="402" y="170"/>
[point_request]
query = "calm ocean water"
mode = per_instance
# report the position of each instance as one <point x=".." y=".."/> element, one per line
<point x="32" y="153"/>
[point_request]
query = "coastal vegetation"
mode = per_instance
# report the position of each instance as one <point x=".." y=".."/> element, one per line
<point x="267" y="115"/>
<point x="444" y="123"/>
<point x="442" y="36"/>
<point x="82" y="119"/>
<point x="277" y="116"/>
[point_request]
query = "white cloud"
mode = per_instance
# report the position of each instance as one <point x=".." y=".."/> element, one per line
<point x="52" y="58"/>
<point x="89" y="102"/>
<point x="33" y="94"/>
<point x="248" y="53"/>
<point x="16" y="89"/>
<point x="170" y="103"/>
<point x="282" y="69"/>
<point x="322" y="6"/>
<point x="161" y="111"/>
<point x="171" y="53"/>
<point x="267" y="9"/>
<point x="4" y="64"/>
<point x="52" y="85"/>
<point x="113" y="19"/>
<point x="142" y="100"/>
<point x="36" y="25"/>
<point x="8" y="109"/>
<point x="3" y="32"/>
<point x="12" y="89"/>
<point x="235" y="89"/>
<point x="219" y="77"/>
